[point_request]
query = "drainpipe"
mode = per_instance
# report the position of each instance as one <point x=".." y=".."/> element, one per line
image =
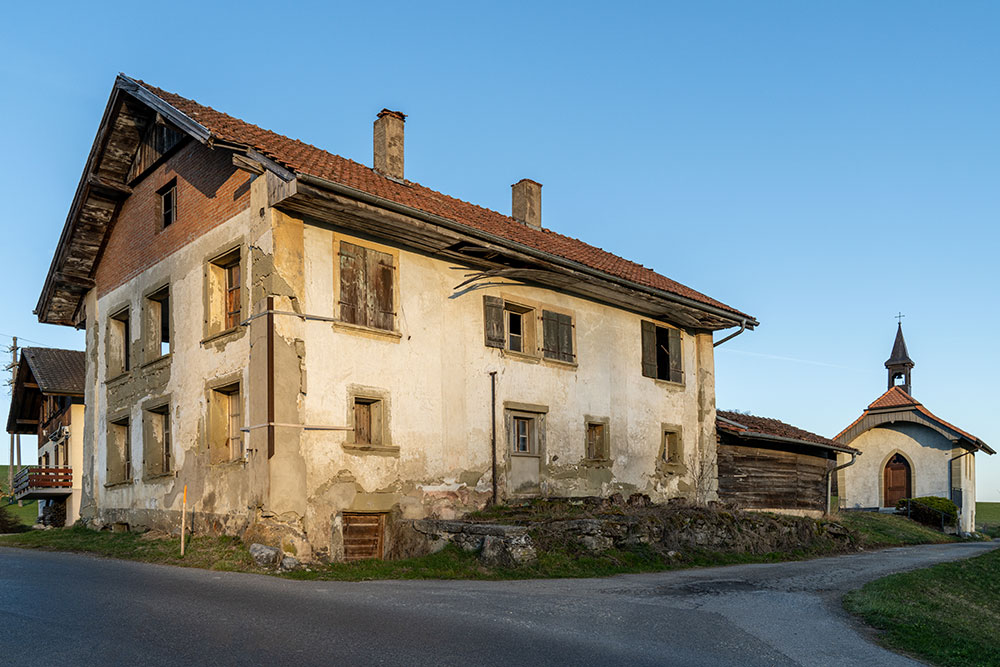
<point x="829" y="479"/>
<point x="743" y="327"/>
<point x="493" y="431"/>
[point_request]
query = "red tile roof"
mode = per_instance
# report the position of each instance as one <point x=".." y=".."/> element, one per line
<point x="894" y="398"/>
<point x="768" y="426"/>
<point x="301" y="157"/>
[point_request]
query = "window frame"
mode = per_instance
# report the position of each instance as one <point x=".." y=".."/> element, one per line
<point x="225" y="440"/>
<point x="367" y="289"/>
<point x="158" y="457"/>
<point x="652" y="336"/>
<point x="219" y="320"/>
<point x="119" y="333"/>
<point x="497" y="311"/>
<point x="604" y="446"/>
<point x="165" y="192"/>
<point x="380" y="438"/>
<point x="119" y="434"/>
<point x="671" y="456"/>
<point x="535" y="417"/>
<point x="154" y="328"/>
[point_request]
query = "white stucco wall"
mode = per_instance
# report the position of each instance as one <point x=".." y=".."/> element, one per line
<point x="928" y="453"/>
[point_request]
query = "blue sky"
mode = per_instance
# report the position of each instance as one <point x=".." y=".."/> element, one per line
<point x="819" y="165"/>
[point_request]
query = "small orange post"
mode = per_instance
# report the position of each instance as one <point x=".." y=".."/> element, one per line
<point x="184" y="504"/>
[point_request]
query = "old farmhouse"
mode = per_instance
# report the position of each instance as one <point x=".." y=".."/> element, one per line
<point x="317" y="348"/>
<point x="908" y="450"/>
<point x="47" y="401"/>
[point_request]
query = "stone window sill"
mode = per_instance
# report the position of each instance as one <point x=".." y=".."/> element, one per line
<point x="211" y="338"/>
<point x="597" y="463"/>
<point x="668" y="384"/>
<point x="161" y="360"/>
<point x="159" y="477"/>
<point x="360" y="329"/>
<point x="124" y="482"/>
<point x="559" y="363"/>
<point x="526" y="455"/>
<point x="118" y="379"/>
<point x="522" y="356"/>
<point x="377" y="450"/>
<point x="231" y="463"/>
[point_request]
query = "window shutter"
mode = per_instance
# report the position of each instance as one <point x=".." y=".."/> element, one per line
<point x="493" y="319"/>
<point x="381" y="264"/>
<point x="351" y="276"/>
<point x="550" y="334"/>
<point x="676" y="362"/>
<point x="565" y="337"/>
<point x="648" y="349"/>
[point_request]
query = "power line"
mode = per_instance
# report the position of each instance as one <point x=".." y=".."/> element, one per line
<point x="37" y="342"/>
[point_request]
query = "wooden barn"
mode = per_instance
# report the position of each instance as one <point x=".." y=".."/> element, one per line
<point x="766" y="464"/>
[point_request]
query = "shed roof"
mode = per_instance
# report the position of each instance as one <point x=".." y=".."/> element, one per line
<point x="751" y="426"/>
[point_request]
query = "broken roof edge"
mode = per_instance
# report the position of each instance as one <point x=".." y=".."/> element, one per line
<point x="745" y="432"/>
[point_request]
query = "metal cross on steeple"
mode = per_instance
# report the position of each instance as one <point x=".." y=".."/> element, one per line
<point x="900" y="317"/>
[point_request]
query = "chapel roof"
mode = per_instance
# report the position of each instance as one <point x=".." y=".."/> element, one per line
<point x="899" y="356"/>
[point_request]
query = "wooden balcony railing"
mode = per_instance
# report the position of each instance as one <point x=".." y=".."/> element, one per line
<point x="41" y="482"/>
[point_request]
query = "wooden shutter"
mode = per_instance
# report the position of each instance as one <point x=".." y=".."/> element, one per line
<point x="352" y="270"/>
<point x="565" y="337"/>
<point x="362" y="422"/>
<point x="550" y="334"/>
<point x="674" y="350"/>
<point x="381" y="288"/>
<point x="363" y="535"/>
<point x="493" y="321"/>
<point x="648" y="349"/>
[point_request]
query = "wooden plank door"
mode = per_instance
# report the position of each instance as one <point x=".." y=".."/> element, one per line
<point x="896" y="481"/>
<point x="363" y="535"/>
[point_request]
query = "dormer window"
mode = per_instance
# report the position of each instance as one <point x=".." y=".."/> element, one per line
<point x="168" y="203"/>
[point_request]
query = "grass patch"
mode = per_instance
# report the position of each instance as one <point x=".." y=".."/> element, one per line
<point x="946" y="614"/>
<point x="25" y="514"/>
<point x="988" y="518"/>
<point x="210" y="553"/>
<point x="888" y="530"/>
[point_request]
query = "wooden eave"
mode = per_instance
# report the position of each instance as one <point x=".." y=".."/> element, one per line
<point x="495" y="257"/>
<point x="25" y="402"/>
<point x="130" y="111"/>
<point x="875" y="418"/>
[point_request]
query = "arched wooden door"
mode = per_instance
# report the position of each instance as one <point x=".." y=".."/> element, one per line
<point x="896" y="481"/>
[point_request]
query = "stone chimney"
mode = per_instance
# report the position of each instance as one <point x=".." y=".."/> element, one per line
<point x="526" y="202"/>
<point x="389" y="143"/>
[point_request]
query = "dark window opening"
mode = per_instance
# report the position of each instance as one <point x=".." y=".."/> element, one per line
<point x="661" y="353"/>
<point x="168" y="203"/>
<point x="515" y="332"/>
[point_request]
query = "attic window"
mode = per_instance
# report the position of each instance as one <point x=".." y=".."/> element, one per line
<point x="168" y="203"/>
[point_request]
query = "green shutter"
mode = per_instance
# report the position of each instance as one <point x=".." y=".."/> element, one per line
<point x="493" y="319"/>
<point x="648" y="349"/>
<point x="676" y="361"/>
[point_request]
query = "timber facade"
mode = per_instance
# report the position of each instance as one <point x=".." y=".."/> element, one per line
<point x="321" y="351"/>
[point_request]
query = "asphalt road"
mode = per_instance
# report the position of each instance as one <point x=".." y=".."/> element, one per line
<point x="67" y="609"/>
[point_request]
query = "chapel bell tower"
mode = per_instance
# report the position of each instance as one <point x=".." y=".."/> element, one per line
<point x="899" y="364"/>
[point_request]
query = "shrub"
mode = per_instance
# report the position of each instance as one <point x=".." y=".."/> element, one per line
<point x="9" y="524"/>
<point x="923" y="510"/>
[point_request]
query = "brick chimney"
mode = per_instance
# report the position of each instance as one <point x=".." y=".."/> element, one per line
<point x="389" y="143"/>
<point x="526" y="202"/>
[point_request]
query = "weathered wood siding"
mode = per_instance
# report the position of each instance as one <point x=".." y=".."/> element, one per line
<point x="766" y="478"/>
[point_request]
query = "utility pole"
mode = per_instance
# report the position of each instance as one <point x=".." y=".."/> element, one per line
<point x="13" y="375"/>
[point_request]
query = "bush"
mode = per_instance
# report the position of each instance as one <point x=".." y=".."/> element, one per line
<point x="923" y="510"/>
<point x="9" y="524"/>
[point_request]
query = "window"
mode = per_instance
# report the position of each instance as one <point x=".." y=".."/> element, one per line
<point x="158" y="324"/>
<point x="119" y="342"/>
<point x="671" y="452"/>
<point x="168" y="203"/>
<point x="523" y="440"/>
<point x="224" y="282"/>
<point x="368" y="422"/>
<point x="226" y="424"/>
<point x="597" y="441"/>
<point x="157" y="440"/>
<point x="661" y="353"/>
<point x="509" y="326"/>
<point x="366" y="287"/>
<point x="557" y="336"/>
<point x="119" y="461"/>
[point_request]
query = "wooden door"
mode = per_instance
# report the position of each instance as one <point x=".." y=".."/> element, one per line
<point x="363" y="535"/>
<point x="896" y="481"/>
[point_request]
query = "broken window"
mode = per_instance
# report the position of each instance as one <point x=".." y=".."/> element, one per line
<point x="523" y="439"/>
<point x="557" y="336"/>
<point x="597" y="441"/>
<point x="671" y="452"/>
<point x="661" y="353"/>
<point x="119" y="342"/>
<point x="225" y="292"/>
<point x="157" y="440"/>
<point x="119" y="451"/>
<point x="168" y="203"/>
<point x="158" y="324"/>
<point x="366" y="287"/>
<point x="226" y="424"/>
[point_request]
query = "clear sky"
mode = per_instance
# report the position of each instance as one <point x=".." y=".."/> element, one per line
<point x="819" y="165"/>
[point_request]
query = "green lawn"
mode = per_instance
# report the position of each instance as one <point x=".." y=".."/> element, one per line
<point x="987" y="514"/>
<point x="947" y="614"/>
<point x="25" y="514"/>
<point x="883" y="530"/>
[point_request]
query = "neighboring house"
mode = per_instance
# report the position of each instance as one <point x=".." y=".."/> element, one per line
<point x="47" y="401"/>
<point x="316" y="348"/>
<point x="908" y="451"/>
<point x="766" y="464"/>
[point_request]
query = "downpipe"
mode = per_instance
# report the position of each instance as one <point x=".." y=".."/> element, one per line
<point x="829" y="480"/>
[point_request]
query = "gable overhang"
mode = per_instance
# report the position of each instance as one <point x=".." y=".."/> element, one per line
<point x="103" y="186"/>
<point x="25" y="402"/>
<point x="880" y="418"/>
<point x="749" y="437"/>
